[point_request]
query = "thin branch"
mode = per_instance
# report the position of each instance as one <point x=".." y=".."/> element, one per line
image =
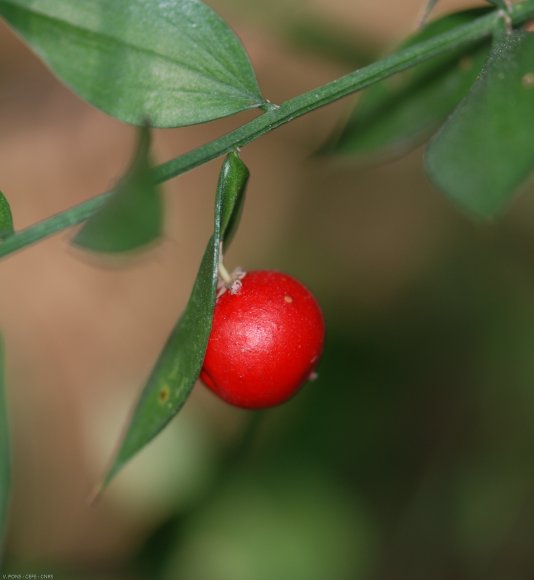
<point x="278" y="116"/>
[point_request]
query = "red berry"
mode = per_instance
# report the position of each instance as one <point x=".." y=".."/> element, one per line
<point x="265" y="341"/>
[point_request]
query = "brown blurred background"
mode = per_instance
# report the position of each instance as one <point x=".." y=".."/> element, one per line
<point x="427" y="376"/>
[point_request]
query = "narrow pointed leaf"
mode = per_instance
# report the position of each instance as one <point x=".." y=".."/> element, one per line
<point x="486" y="149"/>
<point x="174" y="62"/>
<point x="5" y="465"/>
<point x="429" y="6"/>
<point x="133" y="217"/>
<point x="6" y="219"/>
<point x="232" y="186"/>
<point x="179" y="364"/>
<point x="398" y="114"/>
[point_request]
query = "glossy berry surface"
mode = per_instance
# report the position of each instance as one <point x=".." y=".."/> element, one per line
<point x="265" y="341"/>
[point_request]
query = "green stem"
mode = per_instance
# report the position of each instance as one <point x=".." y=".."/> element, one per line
<point x="288" y="111"/>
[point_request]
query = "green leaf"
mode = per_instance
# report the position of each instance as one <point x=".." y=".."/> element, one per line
<point x="5" y="462"/>
<point x="174" y="62"/>
<point x="486" y="149"/>
<point x="429" y="6"/>
<point x="502" y="4"/>
<point x="232" y="185"/>
<point x="133" y="216"/>
<point x="316" y="36"/>
<point x="398" y="114"/>
<point x="6" y="219"/>
<point x="180" y="362"/>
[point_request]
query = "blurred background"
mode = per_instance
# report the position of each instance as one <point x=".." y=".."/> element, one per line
<point x="409" y="458"/>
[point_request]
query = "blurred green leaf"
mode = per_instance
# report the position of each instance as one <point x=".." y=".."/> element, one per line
<point x="133" y="216"/>
<point x="6" y="219"/>
<point x="503" y="4"/>
<point x="317" y="36"/>
<point x="174" y="62"/>
<point x="398" y="114"/>
<point x="180" y="362"/>
<point x="486" y="149"/>
<point x="429" y="6"/>
<point x="5" y="465"/>
<point x="294" y="523"/>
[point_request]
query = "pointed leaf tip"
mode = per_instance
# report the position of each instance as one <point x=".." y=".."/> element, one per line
<point x="233" y="178"/>
<point x="426" y="11"/>
<point x="180" y="362"/>
<point x="176" y="62"/>
<point x="6" y="218"/>
<point x="133" y="216"/>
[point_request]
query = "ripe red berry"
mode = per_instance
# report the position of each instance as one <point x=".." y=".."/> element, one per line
<point x="265" y="341"/>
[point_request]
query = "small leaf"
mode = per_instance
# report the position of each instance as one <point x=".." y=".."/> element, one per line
<point x="233" y="180"/>
<point x="180" y="362"/>
<point x="398" y="114"/>
<point x="175" y="62"/>
<point x="133" y="216"/>
<point x="486" y="149"/>
<point x="5" y="462"/>
<point x="6" y="219"/>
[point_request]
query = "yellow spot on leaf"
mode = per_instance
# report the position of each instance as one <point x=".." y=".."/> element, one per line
<point x="164" y="394"/>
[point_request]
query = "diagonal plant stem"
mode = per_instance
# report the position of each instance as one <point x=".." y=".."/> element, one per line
<point x="277" y="116"/>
